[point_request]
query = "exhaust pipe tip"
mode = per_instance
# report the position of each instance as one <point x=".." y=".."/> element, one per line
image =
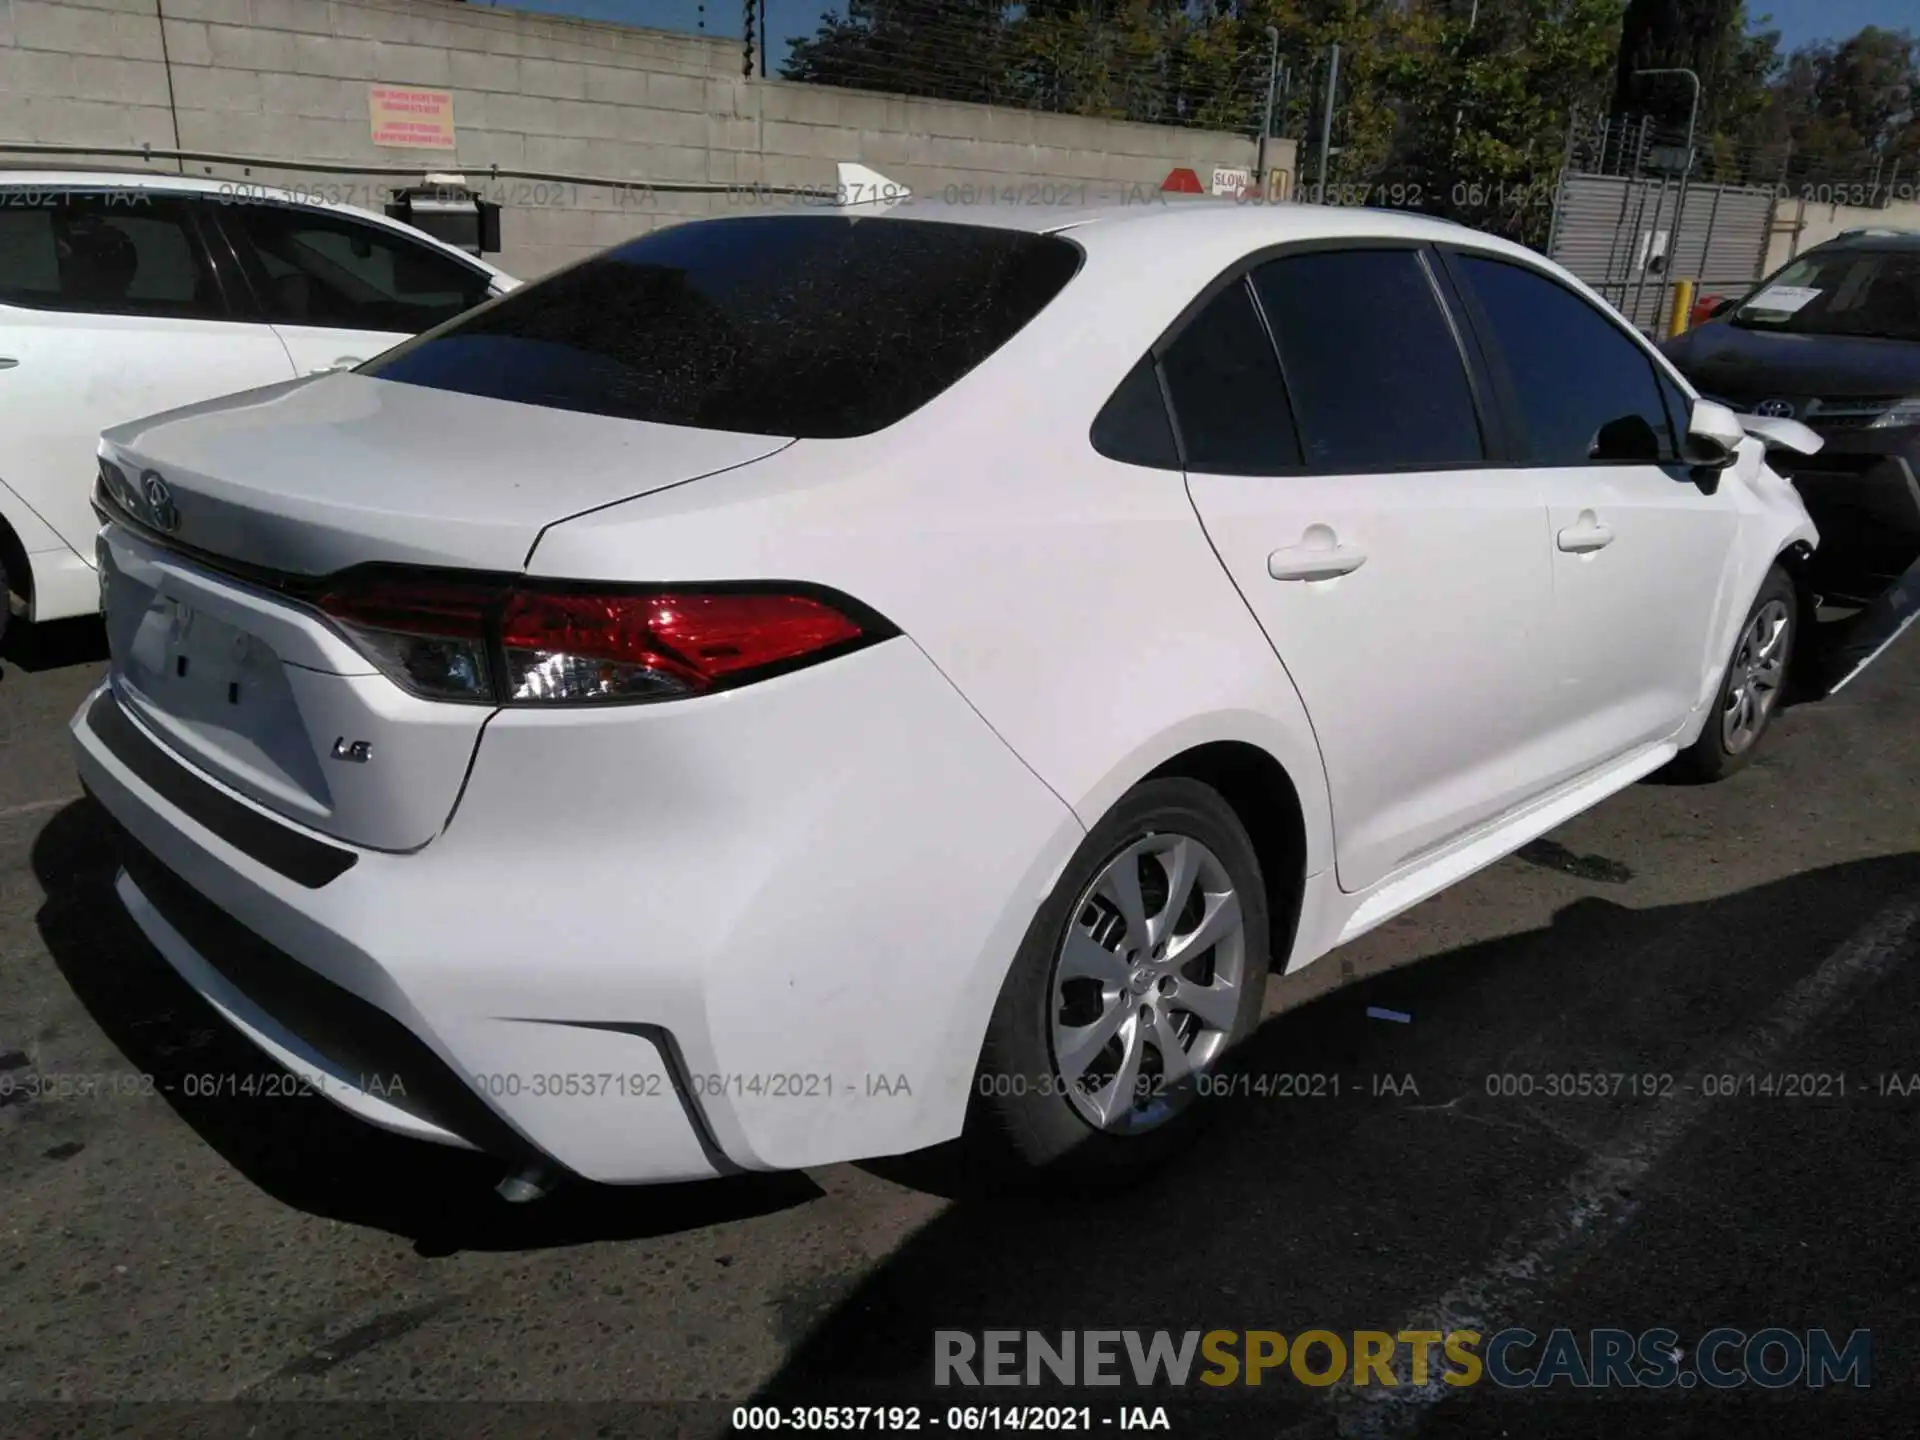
<point x="523" y="1187"/>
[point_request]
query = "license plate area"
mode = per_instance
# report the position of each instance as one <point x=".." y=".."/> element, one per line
<point x="185" y="660"/>
<point x="218" y="662"/>
<point x="215" y="692"/>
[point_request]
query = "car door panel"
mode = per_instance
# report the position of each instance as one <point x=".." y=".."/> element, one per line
<point x="1417" y="667"/>
<point x="111" y="310"/>
<point x="1402" y="578"/>
<point x="1635" y="615"/>
<point x="1641" y="551"/>
<point x="318" y="350"/>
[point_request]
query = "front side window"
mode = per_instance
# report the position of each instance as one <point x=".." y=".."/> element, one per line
<point x="329" y="270"/>
<point x="1874" y="294"/>
<point x="814" y="326"/>
<point x="1376" y="375"/>
<point x="1586" y="393"/>
<point x="105" y="253"/>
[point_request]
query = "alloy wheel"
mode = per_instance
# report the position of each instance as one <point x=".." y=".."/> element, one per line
<point x="1147" y="982"/>
<point x="1756" y="676"/>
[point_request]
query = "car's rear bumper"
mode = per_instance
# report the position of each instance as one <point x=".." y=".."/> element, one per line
<point x="756" y="931"/>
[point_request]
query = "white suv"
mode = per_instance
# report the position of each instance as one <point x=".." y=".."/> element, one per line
<point x="126" y="294"/>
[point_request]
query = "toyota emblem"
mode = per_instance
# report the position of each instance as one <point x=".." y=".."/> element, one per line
<point x="160" y="507"/>
<point x="1775" y="409"/>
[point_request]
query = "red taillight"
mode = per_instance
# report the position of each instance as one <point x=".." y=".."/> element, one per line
<point x="429" y="635"/>
<point x="563" y="646"/>
<point x="534" y="644"/>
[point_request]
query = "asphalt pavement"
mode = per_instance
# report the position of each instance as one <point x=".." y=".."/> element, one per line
<point x="184" y="1251"/>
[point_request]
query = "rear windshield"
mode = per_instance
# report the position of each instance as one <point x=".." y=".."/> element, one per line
<point x="815" y="326"/>
<point x="1873" y="293"/>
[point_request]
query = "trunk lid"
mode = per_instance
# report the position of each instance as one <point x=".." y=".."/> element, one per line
<point x="217" y="655"/>
<point x="317" y="474"/>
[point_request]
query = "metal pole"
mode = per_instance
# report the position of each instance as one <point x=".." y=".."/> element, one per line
<point x="764" y="7"/>
<point x="1633" y="194"/>
<point x="1681" y="313"/>
<point x="1686" y="170"/>
<point x="1640" y="281"/>
<point x="1706" y="241"/>
<point x="166" y="64"/>
<point x="1266" y="123"/>
<point x="1326" y="119"/>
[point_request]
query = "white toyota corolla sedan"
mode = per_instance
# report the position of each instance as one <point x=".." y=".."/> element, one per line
<point x="806" y="686"/>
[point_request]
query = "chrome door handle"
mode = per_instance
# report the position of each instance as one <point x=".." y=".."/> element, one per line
<point x="1586" y="536"/>
<point x="7" y="362"/>
<point x="1315" y="562"/>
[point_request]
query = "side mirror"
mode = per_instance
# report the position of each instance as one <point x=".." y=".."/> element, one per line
<point x="1712" y="441"/>
<point x="1722" y="306"/>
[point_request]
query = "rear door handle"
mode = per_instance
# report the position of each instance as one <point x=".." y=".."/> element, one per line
<point x="1315" y="562"/>
<point x="1585" y="536"/>
<point x="7" y="362"/>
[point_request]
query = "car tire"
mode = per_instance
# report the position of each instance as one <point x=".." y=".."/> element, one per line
<point x="1751" y="687"/>
<point x="1083" y="971"/>
<point x="6" y="600"/>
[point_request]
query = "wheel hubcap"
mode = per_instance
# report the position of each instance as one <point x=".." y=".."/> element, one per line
<point x="1754" y="679"/>
<point x="1147" y="982"/>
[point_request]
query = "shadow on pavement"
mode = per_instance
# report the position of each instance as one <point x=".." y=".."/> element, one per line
<point x="1350" y="1209"/>
<point x="300" y="1149"/>
<point x="54" y="644"/>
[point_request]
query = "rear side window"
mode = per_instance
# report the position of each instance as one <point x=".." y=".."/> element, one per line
<point x="1371" y="361"/>
<point x="1227" y="394"/>
<point x="109" y="253"/>
<point x="816" y="326"/>
<point x="1133" y="426"/>
<point x="1572" y="371"/>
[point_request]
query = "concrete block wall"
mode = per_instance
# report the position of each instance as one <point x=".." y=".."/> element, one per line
<point x="285" y="81"/>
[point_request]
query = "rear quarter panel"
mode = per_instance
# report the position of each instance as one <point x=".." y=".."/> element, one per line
<point x="1073" y="600"/>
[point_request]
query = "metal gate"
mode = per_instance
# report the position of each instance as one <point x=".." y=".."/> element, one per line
<point x="1632" y="236"/>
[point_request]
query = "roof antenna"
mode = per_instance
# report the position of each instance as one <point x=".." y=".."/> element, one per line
<point x="860" y="186"/>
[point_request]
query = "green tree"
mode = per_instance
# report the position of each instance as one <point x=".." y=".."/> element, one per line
<point x="954" y="50"/>
<point x="1485" y="101"/>
<point x="1663" y="34"/>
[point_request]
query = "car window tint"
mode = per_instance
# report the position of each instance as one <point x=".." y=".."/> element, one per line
<point x="1133" y="425"/>
<point x="1228" y="398"/>
<point x="816" y="326"/>
<point x="320" y="269"/>
<point x="1679" y="413"/>
<point x="1574" y="373"/>
<point x="110" y="253"/>
<point x="1371" y="362"/>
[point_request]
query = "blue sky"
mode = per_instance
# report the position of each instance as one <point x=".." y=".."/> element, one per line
<point x="1799" y="21"/>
